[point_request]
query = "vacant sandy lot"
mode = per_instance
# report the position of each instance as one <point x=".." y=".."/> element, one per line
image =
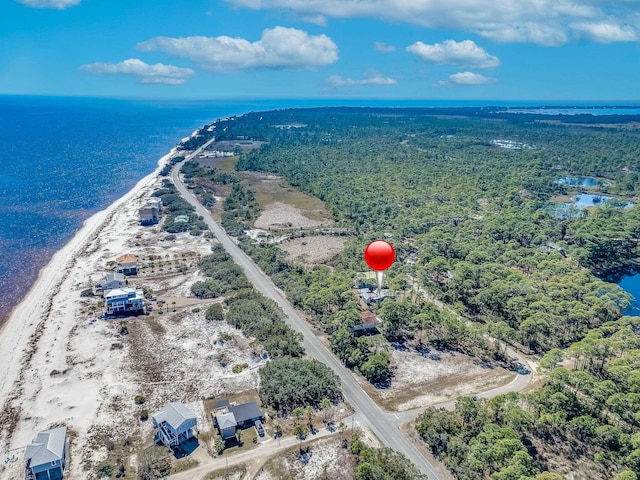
<point x="326" y="456"/>
<point x="318" y="249"/>
<point x="281" y="215"/>
<point x="421" y="380"/>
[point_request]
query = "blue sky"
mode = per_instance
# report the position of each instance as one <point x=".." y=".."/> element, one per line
<point x="585" y="50"/>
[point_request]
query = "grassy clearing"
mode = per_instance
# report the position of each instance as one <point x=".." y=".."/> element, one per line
<point x="269" y="189"/>
<point x="227" y="165"/>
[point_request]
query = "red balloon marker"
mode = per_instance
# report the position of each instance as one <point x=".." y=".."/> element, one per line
<point x="379" y="255"/>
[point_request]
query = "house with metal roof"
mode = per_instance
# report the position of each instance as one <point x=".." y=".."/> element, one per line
<point x="226" y="424"/>
<point x="111" y="282"/>
<point x="228" y="417"/>
<point x="46" y="456"/>
<point x="174" y="424"/>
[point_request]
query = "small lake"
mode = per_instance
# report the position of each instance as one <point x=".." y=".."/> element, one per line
<point x="631" y="284"/>
<point x="585" y="200"/>
<point x="579" y="181"/>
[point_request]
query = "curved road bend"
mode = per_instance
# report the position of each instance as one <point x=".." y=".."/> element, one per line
<point x="384" y="425"/>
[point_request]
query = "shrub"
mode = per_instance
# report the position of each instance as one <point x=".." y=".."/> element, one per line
<point x="144" y="414"/>
<point x="105" y="469"/>
<point x="214" y="312"/>
<point x="139" y="399"/>
<point x="239" y="367"/>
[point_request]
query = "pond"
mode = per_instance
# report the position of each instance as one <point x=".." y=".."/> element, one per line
<point x="585" y="200"/>
<point x="631" y="284"/>
<point x="579" y="181"/>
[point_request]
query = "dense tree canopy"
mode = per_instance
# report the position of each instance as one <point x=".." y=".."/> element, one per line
<point x="287" y="383"/>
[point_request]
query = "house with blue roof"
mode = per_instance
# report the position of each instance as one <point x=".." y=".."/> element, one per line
<point x="46" y="457"/>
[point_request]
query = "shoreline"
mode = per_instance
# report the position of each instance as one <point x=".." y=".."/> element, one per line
<point x="23" y="320"/>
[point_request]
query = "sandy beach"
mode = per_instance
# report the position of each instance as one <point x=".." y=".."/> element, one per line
<point x="62" y="365"/>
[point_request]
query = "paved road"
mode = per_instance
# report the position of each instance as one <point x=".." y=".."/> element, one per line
<point x="384" y="425"/>
<point x="369" y="413"/>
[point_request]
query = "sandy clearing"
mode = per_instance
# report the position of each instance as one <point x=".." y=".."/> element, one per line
<point x="313" y="249"/>
<point x="420" y="381"/>
<point x="282" y="215"/>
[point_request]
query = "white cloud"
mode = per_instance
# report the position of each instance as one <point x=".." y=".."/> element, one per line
<point x="605" y="32"/>
<point x="384" y="47"/>
<point x="371" y="78"/>
<point x="465" y="79"/>
<point x="145" y="73"/>
<point x="465" y="53"/>
<point x="279" y="47"/>
<point x="545" y="22"/>
<point x="59" y="4"/>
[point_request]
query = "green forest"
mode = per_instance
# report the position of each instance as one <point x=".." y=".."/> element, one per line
<point x="478" y="226"/>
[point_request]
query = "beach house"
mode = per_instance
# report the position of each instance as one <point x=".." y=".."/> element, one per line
<point x="150" y="213"/>
<point x="111" y="282"/>
<point x="127" y="264"/>
<point x="121" y="301"/>
<point x="174" y="424"/>
<point x="228" y="417"/>
<point x="46" y="457"/>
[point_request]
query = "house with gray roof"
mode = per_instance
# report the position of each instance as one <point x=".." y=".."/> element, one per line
<point x="228" y="417"/>
<point x="174" y="424"/>
<point x="111" y="282"/>
<point x="46" y="456"/>
<point x="226" y="424"/>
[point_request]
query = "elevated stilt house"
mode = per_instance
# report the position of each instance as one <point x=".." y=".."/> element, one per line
<point x="174" y="424"/>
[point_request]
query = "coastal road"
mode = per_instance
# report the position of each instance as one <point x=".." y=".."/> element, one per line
<point x="384" y="425"/>
<point x="368" y="412"/>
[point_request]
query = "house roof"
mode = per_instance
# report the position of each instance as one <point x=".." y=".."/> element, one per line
<point x="127" y="258"/>
<point x="226" y="420"/>
<point x="117" y="292"/>
<point x="48" y="447"/>
<point x="369" y="318"/>
<point x="246" y="411"/>
<point x="118" y="277"/>
<point x="222" y="404"/>
<point x="176" y="414"/>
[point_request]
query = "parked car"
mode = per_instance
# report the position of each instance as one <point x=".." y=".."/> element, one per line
<point x="259" y="428"/>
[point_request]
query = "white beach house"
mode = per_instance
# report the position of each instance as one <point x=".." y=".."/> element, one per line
<point x="124" y="300"/>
